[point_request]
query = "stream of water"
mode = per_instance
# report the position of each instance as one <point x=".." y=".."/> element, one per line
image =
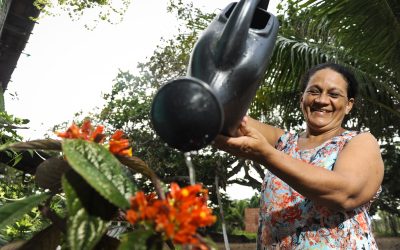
<point x="189" y="164"/>
<point x="192" y="178"/>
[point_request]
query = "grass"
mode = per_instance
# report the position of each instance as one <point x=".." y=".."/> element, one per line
<point x="250" y="236"/>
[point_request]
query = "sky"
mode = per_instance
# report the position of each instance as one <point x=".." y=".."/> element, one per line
<point x="66" y="68"/>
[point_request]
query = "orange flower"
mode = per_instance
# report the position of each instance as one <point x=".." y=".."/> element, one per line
<point x="119" y="145"/>
<point x="85" y="132"/>
<point x="178" y="216"/>
<point x="132" y="216"/>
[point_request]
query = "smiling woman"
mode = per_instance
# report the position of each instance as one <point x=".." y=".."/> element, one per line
<point x="320" y="182"/>
<point x="325" y="101"/>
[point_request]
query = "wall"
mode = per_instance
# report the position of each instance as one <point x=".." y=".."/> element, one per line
<point x="251" y="219"/>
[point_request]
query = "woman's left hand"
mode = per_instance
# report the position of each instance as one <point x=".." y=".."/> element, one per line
<point x="251" y="144"/>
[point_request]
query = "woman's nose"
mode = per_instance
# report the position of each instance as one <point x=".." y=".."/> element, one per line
<point x="322" y="98"/>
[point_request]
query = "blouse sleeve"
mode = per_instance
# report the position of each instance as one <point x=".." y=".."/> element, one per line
<point x="283" y="140"/>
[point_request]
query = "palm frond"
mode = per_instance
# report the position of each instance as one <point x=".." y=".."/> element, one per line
<point x="369" y="28"/>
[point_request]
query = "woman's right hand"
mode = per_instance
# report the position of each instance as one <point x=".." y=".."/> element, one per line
<point x="250" y="143"/>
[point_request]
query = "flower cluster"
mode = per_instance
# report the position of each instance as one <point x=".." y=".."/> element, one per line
<point x="177" y="217"/>
<point x="117" y="145"/>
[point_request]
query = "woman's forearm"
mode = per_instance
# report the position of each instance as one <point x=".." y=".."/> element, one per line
<point x="325" y="187"/>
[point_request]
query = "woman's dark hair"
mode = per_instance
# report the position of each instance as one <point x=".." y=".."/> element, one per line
<point x="352" y="84"/>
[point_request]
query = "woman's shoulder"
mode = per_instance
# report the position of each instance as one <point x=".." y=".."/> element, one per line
<point x="362" y="137"/>
<point x="358" y="142"/>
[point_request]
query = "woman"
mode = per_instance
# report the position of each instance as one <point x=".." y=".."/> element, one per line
<point x="320" y="182"/>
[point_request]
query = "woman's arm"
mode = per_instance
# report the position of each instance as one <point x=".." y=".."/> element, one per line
<point x="356" y="177"/>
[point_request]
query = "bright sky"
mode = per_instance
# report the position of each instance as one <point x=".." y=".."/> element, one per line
<point x="70" y="67"/>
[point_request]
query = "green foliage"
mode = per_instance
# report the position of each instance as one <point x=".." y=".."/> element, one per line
<point x="386" y="224"/>
<point x="389" y="200"/>
<point x="8" y="124"/>
<point x="235" y="213"/>
<point x="15" y="184"/>
<point x="12" y="211"/>
<point x="111" y="11"/>
<point x="100" y="169"/>
<point x="24" y="227"/>
<point x="140" y="240"/>
<point x="250" y="236"/>
<point x="84" y="231"/>
<point x="95" y="185"/>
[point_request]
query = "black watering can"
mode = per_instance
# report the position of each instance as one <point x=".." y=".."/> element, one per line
<point x="226" y="67"/>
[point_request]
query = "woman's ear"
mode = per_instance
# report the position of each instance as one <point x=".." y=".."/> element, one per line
<point x="349" y="105"/>
<point x="301" y="101"/>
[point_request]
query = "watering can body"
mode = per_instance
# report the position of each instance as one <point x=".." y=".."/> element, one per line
<point x="226" y="67"/>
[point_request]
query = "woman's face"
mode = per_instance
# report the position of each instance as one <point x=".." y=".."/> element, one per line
<point x="324" y="102"/>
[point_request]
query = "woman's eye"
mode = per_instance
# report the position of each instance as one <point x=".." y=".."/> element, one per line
<point x="334" y="95"/>
<point x="313" y="92"/>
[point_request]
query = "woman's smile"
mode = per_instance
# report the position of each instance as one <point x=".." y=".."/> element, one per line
<point x="320" y="111"/>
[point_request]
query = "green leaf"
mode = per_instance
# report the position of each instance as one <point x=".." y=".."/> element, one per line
<point x="140" y="240"/>
<point x="90" y="199"/>
<point x="100" y="169"/>
<point x="12" y="211"/>
<point x="84" y="231"/>
<point x="5" y="146"/>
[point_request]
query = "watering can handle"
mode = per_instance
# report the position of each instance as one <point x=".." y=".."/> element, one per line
<point x="263" y="4"/>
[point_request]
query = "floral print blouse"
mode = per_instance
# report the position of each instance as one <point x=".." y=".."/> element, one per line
<point x="289" y="220"/>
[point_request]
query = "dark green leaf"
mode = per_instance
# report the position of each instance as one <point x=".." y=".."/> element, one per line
<point x="140" y="240"/>
<point x="90" y="199"/>
<point x="107" y="243"/>
<point x="12" y="211"/>
<point x="100" y="169"/>
<point x="84" y="231"/>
